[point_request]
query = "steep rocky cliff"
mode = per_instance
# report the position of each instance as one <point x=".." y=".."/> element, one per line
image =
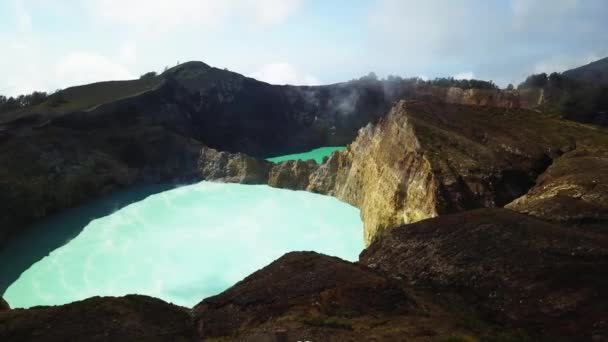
<point x="427" y="158"/>
<point x="431" y="158"/>
<point x="385" y="173"/>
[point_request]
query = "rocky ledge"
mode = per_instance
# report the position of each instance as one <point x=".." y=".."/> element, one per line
<point x="573" y="190"/>
<point x="429" y="158"/>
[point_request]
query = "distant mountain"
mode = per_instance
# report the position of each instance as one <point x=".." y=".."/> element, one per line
<point x="595" y="72"/>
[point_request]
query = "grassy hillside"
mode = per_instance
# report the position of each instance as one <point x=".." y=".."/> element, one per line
<point x="86" y="96"/>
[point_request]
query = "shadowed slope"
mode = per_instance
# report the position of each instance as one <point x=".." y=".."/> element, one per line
<point x="130" y="318"/>
<point x="518" y="270"/>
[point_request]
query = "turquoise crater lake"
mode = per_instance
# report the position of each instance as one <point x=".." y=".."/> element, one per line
<point x="188" y="243"/>
<point x="317" y="154"/>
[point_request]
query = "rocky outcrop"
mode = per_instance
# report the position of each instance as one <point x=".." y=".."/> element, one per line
<point x="232" y="167"/>
<point x="478" y="97"/>
<point x="428" y="158"/>
<point x="300" y="284"/>
<point x="516" y="269"/>
<point x="292" y="174"/>
<point x="309" y="296"/>
<point x="573" y="190"/>
<point x="384" y="173"/>
<point x="228" y="167"/>
<point x="4" y="305"/>
<point x="130" y="318"/>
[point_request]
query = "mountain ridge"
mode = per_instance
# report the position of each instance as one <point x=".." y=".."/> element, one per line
<point x="594" y="72"/>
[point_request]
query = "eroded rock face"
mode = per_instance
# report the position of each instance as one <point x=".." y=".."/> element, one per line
<point x="385" y="174"/>
<point x="428" y="158"/>
<point x="479" y="97"/>
<point x="130" y="318"/>
<point x="232" y="167"/>
<point x="517" y="269"/>
<point x="573" y="190"/>
<point x="292" y="174"/>
<point x="228" y="167"/>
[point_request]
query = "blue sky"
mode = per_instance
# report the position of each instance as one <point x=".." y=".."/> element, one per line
<point x="51" y="44"/>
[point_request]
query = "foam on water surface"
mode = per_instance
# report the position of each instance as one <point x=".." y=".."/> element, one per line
<point x="189" y="243"/>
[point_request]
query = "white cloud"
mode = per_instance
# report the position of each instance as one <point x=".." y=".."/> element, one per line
<point x="25" y="72"/>
<point x="273" y="12"/>
<point x="84" y="67"/>
<point x="158" y="16"/>
<point x="469" y="75"/>
<point x="283" y="73"/>
<point x="20" y="66"/>
<point x="502" y="41"/>
<point x="147" y="16"/>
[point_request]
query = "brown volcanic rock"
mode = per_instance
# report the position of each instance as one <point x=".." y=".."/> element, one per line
<point x="301" y="285"/>
<point x="130" y="318"/>
<point x="232" y="167"/>
<point x="478" y="97"/>
<point x="292" y="174"/>
<point x="515" y="268"/>
<point x="4" y="305"/>
<point x="430" y="158"/>
<point x="382" y="172"/>
<point x="573" y="190"/>
<point x="240" y="168"/>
